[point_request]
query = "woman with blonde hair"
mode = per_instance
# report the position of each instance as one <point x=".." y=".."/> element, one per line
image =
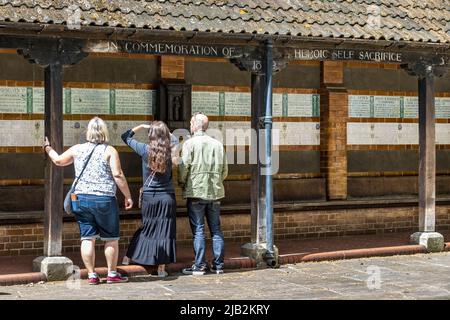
<point x="98" y="172"/>
<point x="154" y="242"/>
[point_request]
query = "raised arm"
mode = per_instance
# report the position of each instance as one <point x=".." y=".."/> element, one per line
<point x="61" y="160"/>
<point x="119" y="177"/>
<point x="137" y="146"/>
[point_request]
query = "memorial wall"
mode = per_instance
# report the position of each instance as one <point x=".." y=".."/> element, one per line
<point x="382" y="128"/>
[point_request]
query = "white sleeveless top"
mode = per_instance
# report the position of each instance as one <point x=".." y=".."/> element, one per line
<point x="97" y="178"/>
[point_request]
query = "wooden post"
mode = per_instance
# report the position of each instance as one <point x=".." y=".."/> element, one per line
<point x="53" y="54"/>
<point x="427" y="154"/>
<point x="54" y="179"/>
<point x="426" y="70"/>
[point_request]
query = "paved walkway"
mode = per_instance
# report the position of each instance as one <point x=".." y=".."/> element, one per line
<point x="18" y="270"/>
<point x="397" y="277"/>
<point x="303" y="249"/>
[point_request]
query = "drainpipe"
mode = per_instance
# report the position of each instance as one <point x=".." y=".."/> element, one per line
<point x="268" y="65"/>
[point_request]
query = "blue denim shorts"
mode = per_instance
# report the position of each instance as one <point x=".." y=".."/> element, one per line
<point x="97" y="217"/>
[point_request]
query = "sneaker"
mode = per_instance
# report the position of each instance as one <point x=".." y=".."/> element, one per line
<point x="194" y="270"/>
<point x="216" y="270"/>
<point x="94" y="281"/>
<point x="116" y="279"/>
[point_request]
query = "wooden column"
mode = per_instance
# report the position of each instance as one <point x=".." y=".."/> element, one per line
<point x="426" y="70"/>
<point x="53" y="55"/>
<point x="53" y="174"/>
<point x="427" y="154"/>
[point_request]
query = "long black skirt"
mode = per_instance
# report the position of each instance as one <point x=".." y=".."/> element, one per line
<point x="154" y="242"/>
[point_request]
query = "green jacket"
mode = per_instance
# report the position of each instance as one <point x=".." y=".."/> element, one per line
<point x="203" y="168"/>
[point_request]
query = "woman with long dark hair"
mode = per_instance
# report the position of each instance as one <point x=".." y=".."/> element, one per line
<point x="154" y="242"/>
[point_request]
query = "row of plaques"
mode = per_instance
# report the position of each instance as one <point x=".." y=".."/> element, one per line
<point x="21" y="133"/>
<point x="143" y="102"/>
<point x="80" y="101"/>
<point x="239" y="104"/>
<point x="364" y="106"/>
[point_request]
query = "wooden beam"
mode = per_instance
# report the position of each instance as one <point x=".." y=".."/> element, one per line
<point x="427" y="154"/>
<point x="54" y="179"/>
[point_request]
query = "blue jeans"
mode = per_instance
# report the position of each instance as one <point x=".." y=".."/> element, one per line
<point x="97" y="217"/>
<point x="197" y="210"/>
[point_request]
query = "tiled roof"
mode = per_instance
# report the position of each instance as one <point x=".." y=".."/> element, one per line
<point x="407" y="20"/>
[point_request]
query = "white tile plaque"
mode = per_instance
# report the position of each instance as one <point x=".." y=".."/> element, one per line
<point x="386" y="107"/>
<point x="300" y="105"/>
<point x="237" y="104"/>
<point x="442" y="107"/>
<point x="377" y="133"/>
<point x="13" y="100"/>
<point x="442" y="133"/>
<point x="21" y="133"/>
<point x="39" y="100"/>
<point x="359" y="106"/>
<point x="277" y="104"/>
<point x="89" y="101"/>
<point x="410" y="107"/>
<point x="206" y="102"/>
<point x="135" y="102"/>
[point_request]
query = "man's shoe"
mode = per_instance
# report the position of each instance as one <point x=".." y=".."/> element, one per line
<point x="116" y="279"/>
<point x="194" y="270"/>
<point x="216" y="270"/>
<point x="94" y="281"/>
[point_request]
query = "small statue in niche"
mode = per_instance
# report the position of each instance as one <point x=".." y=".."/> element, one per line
<point x="177" y="106"/>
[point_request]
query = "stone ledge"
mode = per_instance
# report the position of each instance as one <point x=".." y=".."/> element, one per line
<point x="27" y="217"/>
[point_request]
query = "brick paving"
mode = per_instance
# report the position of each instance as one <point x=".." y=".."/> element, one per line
<point x="400" y="277"/>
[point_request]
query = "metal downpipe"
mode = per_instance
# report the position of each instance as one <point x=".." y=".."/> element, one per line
<point x="268" y="65"/>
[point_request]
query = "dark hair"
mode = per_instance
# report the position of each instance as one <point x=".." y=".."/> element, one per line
<point x="159" y="142"/>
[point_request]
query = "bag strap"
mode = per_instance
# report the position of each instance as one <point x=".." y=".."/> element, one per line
<point x="152" y="175"/>
<point x="84" y="167"/>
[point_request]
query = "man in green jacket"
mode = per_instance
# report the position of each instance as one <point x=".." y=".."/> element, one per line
<point x="201" y="173"/>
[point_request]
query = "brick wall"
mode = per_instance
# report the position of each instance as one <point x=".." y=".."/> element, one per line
<point x="26" y="239"/>
<point x="333" y="129"/>
<point x="172" y="67"/>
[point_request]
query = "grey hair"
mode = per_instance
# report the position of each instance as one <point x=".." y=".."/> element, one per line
<point x="199" y="124"/>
